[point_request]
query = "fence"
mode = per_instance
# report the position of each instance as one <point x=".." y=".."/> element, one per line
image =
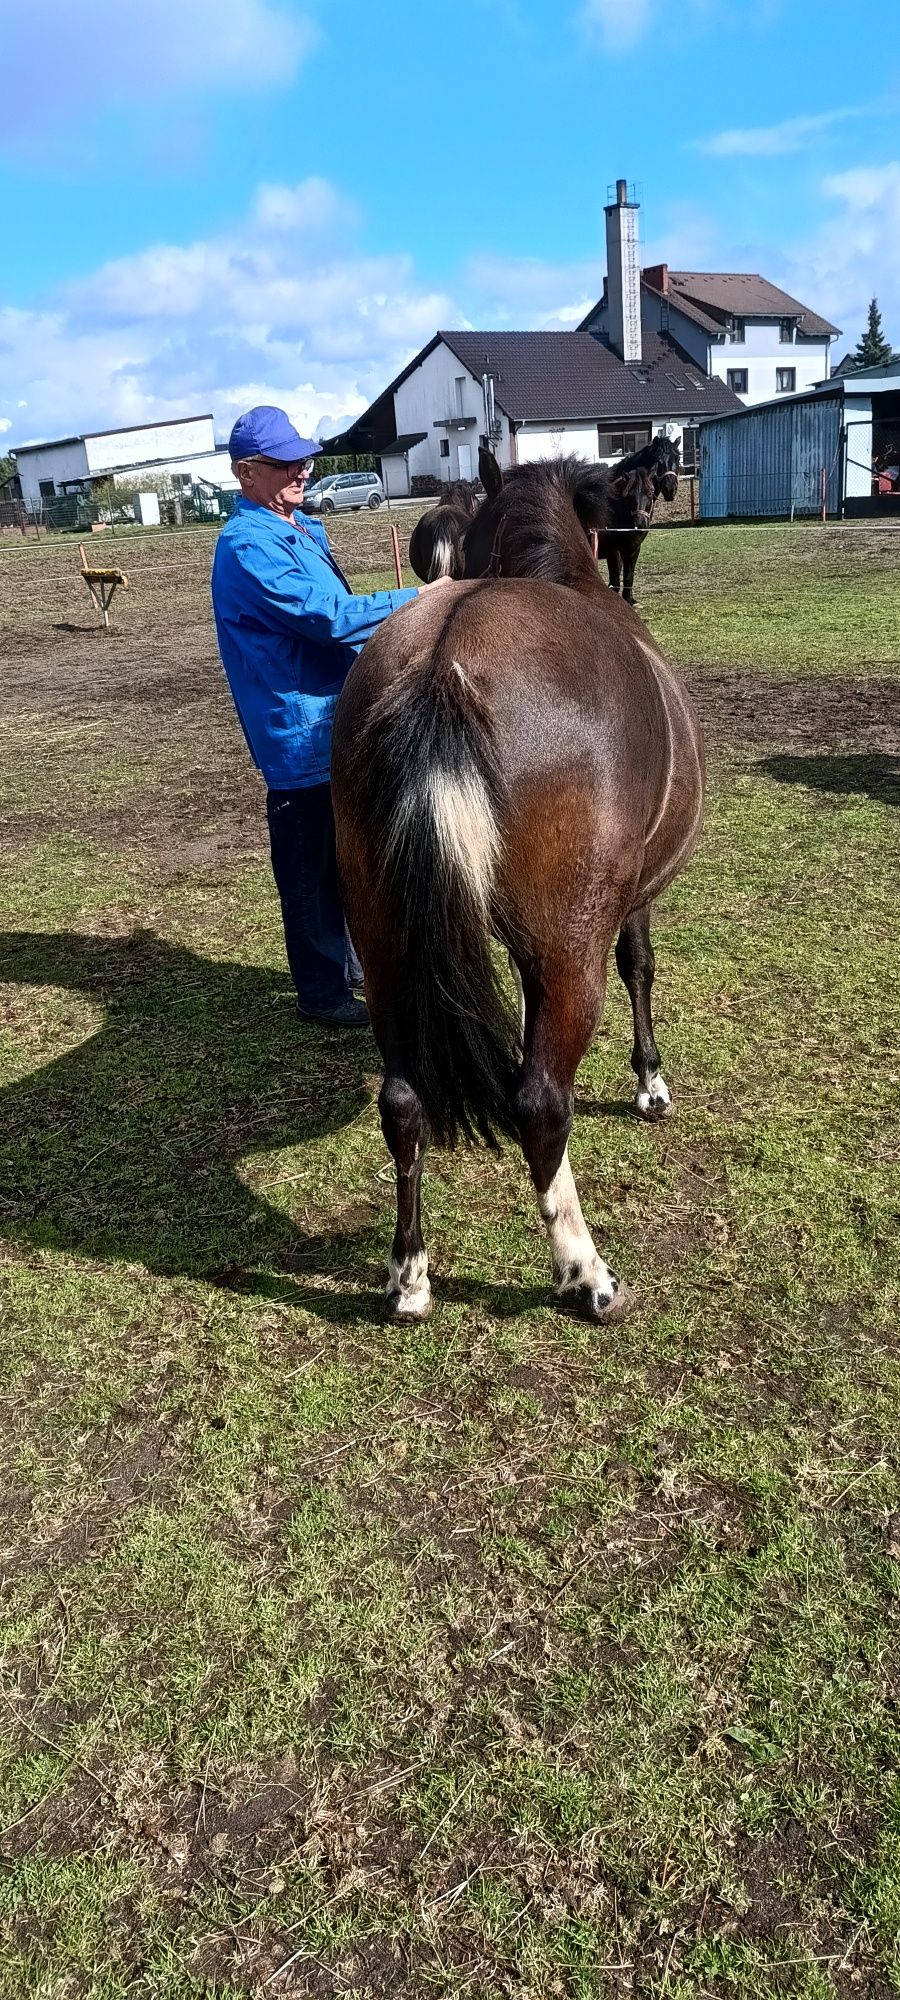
<point x="71" y="513"/>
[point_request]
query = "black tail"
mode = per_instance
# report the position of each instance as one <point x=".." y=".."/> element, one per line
<point x="432" y="792"/>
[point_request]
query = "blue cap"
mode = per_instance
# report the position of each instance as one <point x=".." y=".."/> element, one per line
<point x="268" y="433"/>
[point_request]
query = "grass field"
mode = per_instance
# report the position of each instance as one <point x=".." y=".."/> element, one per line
<point x="500" y="1656"/>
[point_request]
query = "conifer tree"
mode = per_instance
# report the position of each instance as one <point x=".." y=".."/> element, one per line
<point x="872" y="348"/>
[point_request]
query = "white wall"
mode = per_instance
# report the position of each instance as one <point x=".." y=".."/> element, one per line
<point x="117" y="449"/>
<point x="59" y="462"/>
<point x="536" y="441"/>
<point x="858" y="448"/>
<point x="430" y="393"/>
<point x="762" y="353"/>
<point x="214" y="466"/>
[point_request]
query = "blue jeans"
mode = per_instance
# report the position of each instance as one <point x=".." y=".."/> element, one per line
<point x="323" y="963"/>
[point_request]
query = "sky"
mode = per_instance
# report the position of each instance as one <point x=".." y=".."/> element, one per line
<point x="206" y="204"/>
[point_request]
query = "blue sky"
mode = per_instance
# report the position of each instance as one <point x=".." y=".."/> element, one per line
<point x="208" y="203"/>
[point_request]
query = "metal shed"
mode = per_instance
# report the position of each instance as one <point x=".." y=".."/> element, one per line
<point x="791" y="457"/>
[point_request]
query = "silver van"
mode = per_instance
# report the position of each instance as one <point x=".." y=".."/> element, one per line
<point x="344" y="490"/>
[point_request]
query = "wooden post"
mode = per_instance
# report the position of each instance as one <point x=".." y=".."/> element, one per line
<point x="693" y="503"/>
<point x="594" y="544"/>
<point x="824" y="492"/>
<point x="395" y="545"/>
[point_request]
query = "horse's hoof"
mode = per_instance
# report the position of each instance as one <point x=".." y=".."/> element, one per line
<point x="597" y="1303"/>
<point x="653" y="1101"/>
<point x="410" y="1307"/>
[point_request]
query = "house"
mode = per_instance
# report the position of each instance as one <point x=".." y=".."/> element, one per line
<point x="661" y="351"/>
<point x="181" y="448"/>
<point x="735" y="325"/>
<point x="836" y="445"/>
<point x="534" y="394"/>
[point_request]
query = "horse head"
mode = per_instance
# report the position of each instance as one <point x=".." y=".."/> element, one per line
<point x="666" y="468"/>
<point x="537" y="520"/>
<point x="635" y="492"/>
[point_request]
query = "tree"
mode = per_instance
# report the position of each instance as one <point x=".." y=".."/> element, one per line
<point x="872" y="349"/>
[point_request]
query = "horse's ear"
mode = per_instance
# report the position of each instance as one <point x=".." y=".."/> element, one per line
<point x="489" y="472"/>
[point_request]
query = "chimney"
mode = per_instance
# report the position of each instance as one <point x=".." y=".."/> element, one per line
<point x="623" y="275"/>
<point x="657" y="277"/>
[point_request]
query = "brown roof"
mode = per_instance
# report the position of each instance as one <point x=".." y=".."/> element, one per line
<point x="714" y="297"/>
<point x="567" y="376"/>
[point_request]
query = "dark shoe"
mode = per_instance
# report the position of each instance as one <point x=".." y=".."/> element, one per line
<point x="348" y="1013"/>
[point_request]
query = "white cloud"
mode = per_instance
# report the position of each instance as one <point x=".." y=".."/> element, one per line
<point x="616" y="24"/>
<point x="771" y="141"/>
<point x="532" y="292"/>
<point x="848" y="260"/>
<point x="5" y="423"/>
<point x="269" y="311"/>
<point x="62" y="64"/>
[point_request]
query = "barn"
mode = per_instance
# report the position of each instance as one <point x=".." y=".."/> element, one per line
<point x="837" y="445"/>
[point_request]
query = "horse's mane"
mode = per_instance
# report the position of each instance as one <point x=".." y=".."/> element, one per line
<point x="542" y="516"/>
<point x="660" y="455"/>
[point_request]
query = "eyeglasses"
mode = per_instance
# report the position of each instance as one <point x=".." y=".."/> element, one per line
<point x="286" y="465"/>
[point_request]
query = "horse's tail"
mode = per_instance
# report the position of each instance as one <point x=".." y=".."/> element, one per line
<point x="434" y="542"/>
<point x="433" y="809"/>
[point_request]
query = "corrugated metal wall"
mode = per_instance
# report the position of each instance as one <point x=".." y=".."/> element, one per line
<point x="769" y="462"/>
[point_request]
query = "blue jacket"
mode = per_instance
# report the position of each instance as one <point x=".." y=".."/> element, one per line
<point x="289" y="629"/>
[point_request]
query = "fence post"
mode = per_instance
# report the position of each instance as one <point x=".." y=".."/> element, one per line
<point x="824" y="492"/>
<point x="693" y="503"/>
<point x="395" y="545"/>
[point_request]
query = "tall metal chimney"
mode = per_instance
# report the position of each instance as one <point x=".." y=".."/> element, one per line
<point x="623" y="275"/>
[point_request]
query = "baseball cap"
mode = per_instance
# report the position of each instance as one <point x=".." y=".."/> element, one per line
<point x="268" y="433"/>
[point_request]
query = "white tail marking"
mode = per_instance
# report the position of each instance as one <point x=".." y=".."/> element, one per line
<point x="466" y="829"/>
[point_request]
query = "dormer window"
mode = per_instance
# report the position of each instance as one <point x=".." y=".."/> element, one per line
<point x="786" y="330"/>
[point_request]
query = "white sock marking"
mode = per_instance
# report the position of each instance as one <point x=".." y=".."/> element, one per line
<point x="408" y="1282"/>
<point x="576" y="1260"/>
<point x="652" y="1090"/>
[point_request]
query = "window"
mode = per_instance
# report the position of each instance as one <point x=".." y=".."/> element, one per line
<point x="460" y="381"/>
<point x="690" y="448"/>
<point x="620" y="444"/>
<point x="785" y="380"/>
<point x="445" y="447"/>
<point x="47" y="489"/>
<point x="786" y="330"/>
<point x="737" y="380"/>
<point x="737" y="330"/>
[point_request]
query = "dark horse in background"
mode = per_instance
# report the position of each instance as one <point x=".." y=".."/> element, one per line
<point x="662" y="460"/>
<point x="436" y="542"/>
<point x="439" y="531"/>
<point x="513" y="759"/>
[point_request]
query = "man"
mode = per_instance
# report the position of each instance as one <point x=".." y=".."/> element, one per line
<point x="289" y="628"/>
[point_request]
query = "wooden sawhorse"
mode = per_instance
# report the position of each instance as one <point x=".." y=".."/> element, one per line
<point x="106" y="581"/>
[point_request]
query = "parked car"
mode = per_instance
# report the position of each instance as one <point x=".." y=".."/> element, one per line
<point x="344" y="490"/>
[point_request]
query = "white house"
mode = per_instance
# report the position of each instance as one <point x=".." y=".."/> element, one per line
<point x="735" y="325"/>
<point x="661" y="351"/>
<point x="183" y="448"/>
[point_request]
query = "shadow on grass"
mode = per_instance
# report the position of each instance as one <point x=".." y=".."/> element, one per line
<point x="127" y="1146"/>
<point x="876" y="775"/>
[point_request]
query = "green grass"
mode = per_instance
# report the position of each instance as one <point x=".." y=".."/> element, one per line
<point x="499" y="1655"/>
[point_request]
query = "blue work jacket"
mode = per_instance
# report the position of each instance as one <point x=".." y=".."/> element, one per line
<point x="289" y="629"/>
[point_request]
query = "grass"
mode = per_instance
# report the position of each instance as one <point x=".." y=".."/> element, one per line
<point x="494" y="1656"/>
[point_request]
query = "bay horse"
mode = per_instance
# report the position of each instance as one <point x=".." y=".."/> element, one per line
<point x="512" y="759"/>
<point x="662" y="460"/>
<point x="436" y="542"/>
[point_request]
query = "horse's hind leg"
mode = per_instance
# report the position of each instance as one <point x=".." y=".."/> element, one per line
<point x="636" y="962"/>
<point x="406" y="1133"/>
<point x="559" y="1025"/>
